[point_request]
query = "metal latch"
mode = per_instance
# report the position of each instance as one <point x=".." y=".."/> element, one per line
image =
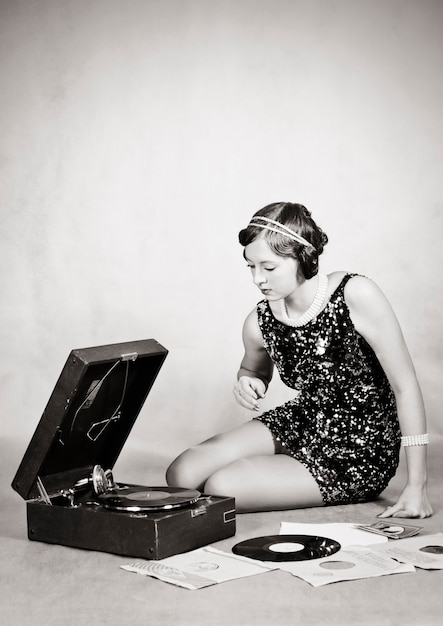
<point x="130" y="356"/>
<point x="200" y="511"/>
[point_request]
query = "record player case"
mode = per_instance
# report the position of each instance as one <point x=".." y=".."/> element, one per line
<point x="85" y="424"/>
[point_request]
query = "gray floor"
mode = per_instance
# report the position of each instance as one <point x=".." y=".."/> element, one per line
<point x="50" y="584"/>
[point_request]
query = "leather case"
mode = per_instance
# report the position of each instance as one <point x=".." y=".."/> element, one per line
<point x="96" y="400"/>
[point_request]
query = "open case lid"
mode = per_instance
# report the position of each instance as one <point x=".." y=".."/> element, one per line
<point x="89" y="415"/>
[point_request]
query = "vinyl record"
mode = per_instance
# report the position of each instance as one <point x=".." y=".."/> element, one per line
<point x="148" y="499"/>
<point x="286" y="548"/>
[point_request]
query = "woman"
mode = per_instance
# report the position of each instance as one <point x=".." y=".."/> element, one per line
<point x="336" y="341"/>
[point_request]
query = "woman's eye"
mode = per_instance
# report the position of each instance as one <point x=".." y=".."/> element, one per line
<point x="269" y="269"/>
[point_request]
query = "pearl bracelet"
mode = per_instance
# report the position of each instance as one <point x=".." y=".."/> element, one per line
<point x="414" y="440"/>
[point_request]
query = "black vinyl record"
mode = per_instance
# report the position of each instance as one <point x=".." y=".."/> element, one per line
<point x="148" y="499"/>
<point x="286" y="548"/>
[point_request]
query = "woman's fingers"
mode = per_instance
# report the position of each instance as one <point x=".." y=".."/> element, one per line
<point x="246" y="395"/>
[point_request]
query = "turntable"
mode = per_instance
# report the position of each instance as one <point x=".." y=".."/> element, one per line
<point x="66" y="473"/>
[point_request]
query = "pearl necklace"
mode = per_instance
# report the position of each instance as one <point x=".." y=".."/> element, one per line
<point x="313" y="310"/>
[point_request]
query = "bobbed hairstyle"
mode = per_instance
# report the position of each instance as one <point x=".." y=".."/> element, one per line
<point x="298" y="219"/>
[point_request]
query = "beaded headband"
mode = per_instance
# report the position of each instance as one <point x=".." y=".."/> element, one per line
<point x="281" y="229"/>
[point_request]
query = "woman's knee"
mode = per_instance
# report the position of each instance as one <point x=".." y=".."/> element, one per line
<point x="225" y="481"/>
<point x="193" y="466"/>
<point x="179" y="473"/>
<point x="188" y="469"/>
<point x="216" y="484"/>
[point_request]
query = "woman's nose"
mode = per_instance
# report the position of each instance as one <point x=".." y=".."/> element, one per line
<point x="259" y="278"/>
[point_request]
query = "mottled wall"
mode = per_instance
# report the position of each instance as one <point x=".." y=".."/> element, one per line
<point x="138" y="136"/>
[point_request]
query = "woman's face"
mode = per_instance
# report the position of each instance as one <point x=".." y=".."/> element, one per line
<point x="276" y="276"/>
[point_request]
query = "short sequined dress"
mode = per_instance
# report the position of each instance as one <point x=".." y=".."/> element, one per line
<point x="342" y="424"/>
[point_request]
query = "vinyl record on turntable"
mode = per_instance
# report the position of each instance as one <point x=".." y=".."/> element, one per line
<point x="135" y="499"/>
<point x="281" y="548"/>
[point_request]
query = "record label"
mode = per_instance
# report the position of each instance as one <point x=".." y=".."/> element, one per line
<point x="286" y="548"/>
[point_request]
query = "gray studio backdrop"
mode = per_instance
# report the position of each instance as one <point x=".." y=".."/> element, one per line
<point x="137" y="137"/>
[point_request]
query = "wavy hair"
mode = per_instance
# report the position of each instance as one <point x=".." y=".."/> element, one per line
<point x="297" y="218"/>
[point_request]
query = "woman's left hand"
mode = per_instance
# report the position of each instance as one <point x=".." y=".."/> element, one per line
<point x="412" y="503"/>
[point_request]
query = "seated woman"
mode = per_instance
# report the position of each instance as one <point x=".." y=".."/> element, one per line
<point x="336" y="341"/>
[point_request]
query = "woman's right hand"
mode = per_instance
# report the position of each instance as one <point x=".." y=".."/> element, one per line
<point x="248" y="390"/>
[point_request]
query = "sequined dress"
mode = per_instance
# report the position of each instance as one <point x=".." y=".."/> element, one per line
<point x="342" y="424"/>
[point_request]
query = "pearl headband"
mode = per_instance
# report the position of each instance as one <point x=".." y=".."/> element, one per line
<point x="281" y="229"/>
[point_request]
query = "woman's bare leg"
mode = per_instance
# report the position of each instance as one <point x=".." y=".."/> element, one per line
<point x="266" y="483"/>
<point x="243" y="463"/>
<point x="194" y="466"/>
